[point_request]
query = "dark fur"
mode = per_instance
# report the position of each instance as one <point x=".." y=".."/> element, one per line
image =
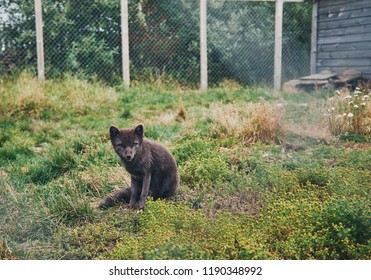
<point x="152" y="168"/>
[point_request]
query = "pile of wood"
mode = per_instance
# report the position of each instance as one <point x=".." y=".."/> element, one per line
<point x="325" y="80"/>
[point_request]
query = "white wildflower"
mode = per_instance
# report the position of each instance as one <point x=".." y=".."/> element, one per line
<point x="355" y="106"/>
<point x="363" y="104"/>
<point x="350" y="115"/>
<point x="348" y="97"/>
<point x="337" y="92"/>
<point x="332" y="108"/>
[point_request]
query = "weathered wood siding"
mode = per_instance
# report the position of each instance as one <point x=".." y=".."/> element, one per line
<point x="344" y="36"/>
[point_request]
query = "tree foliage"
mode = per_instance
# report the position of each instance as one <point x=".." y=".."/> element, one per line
<point x="84" y="37"/>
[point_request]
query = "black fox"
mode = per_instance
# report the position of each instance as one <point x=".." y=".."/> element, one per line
<point x="152" y="168"/>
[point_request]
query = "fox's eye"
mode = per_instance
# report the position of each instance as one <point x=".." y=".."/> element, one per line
<point x="136" y="143"/>
<point x="119" y="148"/>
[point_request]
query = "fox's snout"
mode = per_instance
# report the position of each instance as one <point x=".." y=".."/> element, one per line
<point x="128" y="154"/>
<point x="129" y="157"/>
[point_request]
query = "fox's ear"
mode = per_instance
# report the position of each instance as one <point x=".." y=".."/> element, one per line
<point x="139" y="130"/>
<point x="114" y="131"/>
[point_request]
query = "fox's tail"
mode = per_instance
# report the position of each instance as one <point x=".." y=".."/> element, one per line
<point x="115" y="198"/>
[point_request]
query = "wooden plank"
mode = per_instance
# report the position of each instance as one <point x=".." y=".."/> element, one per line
<point x="345" y="39"/>
<point x="345" y="54"/>
<point x="323" y="25"/>
<point x="351" y="62"/>
<point x="366" y="12"/>
<point x="365" y="45"/>
<point x="203" y="44"/>
<point x="316" y="82"/>
<point x="359" y="29"/>
<point x="339" y="69"/>
<point x="319" y="76"/>
<point x="349" y="75"/>
<point x="125" y="43"/>
<point x="331" y="3"/>
<point x="340" y="6"/>
<point x="39" y="40"/>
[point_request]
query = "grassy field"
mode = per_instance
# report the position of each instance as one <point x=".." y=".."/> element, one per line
<point x="263" y="175"/>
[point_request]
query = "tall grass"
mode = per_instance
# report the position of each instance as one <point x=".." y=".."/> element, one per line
<point x="251" y="122"/>
<point x="26" y="97"/>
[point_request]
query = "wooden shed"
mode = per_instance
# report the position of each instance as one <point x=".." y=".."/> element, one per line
<point x="341" y="36"/>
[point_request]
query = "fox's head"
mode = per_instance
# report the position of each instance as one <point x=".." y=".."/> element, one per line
<point x="127" y="142"/>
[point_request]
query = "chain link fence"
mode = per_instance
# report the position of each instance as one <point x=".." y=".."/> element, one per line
<point x="83" y="37"/>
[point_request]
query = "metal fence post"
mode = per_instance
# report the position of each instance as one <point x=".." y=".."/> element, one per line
<point x="125" y="42"/>
<point x="203" y="43"/>
<point x="39" y="40"/>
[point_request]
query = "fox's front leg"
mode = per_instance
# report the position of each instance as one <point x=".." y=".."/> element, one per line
<point x="135" y="189"/>
<point x="145" y="190"/>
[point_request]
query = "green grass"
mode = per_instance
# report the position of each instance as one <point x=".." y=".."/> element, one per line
<point x="262" y="177"/>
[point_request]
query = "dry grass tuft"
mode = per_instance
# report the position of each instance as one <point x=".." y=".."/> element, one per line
<point x="252" y="122"/>
<point x="182" y="115"/>
<point x="28" y="97"/>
